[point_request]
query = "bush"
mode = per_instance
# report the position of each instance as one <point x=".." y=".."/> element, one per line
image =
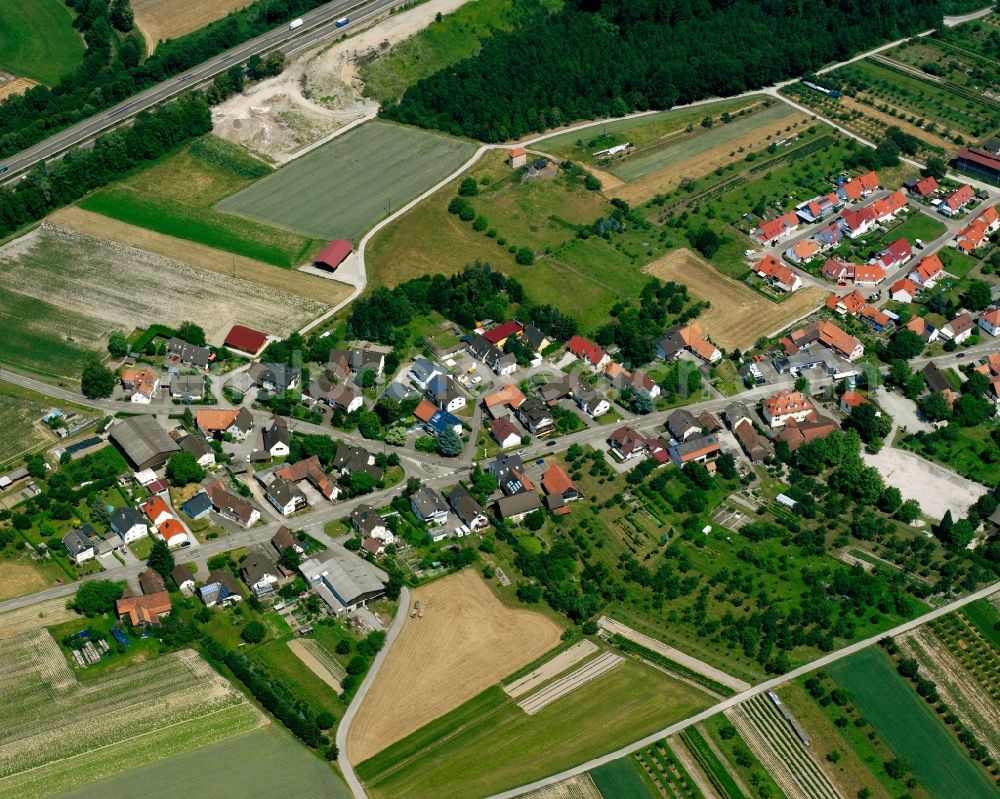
<point x="253" y="632"/>
<point x="325" y="720"/>
<point x="525" y="256"/>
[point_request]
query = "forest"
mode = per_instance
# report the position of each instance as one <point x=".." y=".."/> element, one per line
<point x="598" y="58"/>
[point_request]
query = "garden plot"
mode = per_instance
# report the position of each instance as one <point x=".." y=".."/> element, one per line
<point x="667" y="772"/>
<point x="579" y="787"/>
<point x="565" y="685"/>
<point x="966" y="645"/>
<point x="19" y="422"/>
<point x="551" y="668"/>
<point x="956" y="686"/>
<point x="777" y="746"/>
<point x="98" y="286"/>
<point x="319" y="662"/>
<point x="616" y="627"/>
<point x="59" y="734"/>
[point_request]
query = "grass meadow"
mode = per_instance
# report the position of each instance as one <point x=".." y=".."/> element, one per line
<point x="445" y="759"/>
<point x="620" y="779"/>
<point x="176" y="194"/>
<point x="39" y="41"/>
<point x="985" y="618"/>
<point x="19" y="411"/>
<point x="344" y="187"/>
<point x="910" y="727"/>
<point x="265" y="762"/>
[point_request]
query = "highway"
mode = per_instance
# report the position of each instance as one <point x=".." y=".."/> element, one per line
<point x="317" y="25"/>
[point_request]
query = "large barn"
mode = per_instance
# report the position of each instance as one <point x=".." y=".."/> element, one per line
<point x="143" y="441"/>
<point x="245" y="339"/>
<point x="977" y="162"/>
<point x="333" y="254"/>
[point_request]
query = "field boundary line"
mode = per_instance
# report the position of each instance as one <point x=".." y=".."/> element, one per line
<point x="143" y="735"/>
<point x="760" y="688"/>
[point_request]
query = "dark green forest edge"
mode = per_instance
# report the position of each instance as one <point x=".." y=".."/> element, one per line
<point x="599" y="58"/>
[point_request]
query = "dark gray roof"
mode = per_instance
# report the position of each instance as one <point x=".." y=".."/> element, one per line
<point x="422" y="369"/>
<point x="79" y="540"/>
<point x="197" y="505"/>
<point x="464" y="504"/>
<point x="276" y="434"/>
<point x="680" y="421"/>
<point x="181" y="574"/>
<point x="365" y="518"/>
<point x="356" y="459"/>
<point x="124" y="518"/>
<point x="255" y="566"/>
<point x="532" y="336"/>
<point x="283" y="492"/>
<point x="143" y="441"/>
<point x="196" y="445"/>
<point x="399" y="392"/>
<point x="280" y="375"/>
<point x="481" y="348"/>
<point x="189" y="354"/>
<point x="736" y="411"/>
<point x="936" y="381"/>
<point x="428" y="501"/>
<point x="517" y="504"/>
<point x="244" y="420"/>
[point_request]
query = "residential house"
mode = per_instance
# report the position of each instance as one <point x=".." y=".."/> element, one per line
<point x="173" y="533"/>
<point x="971" y="237"/>
<point x="441" y="421"/>
<point x="638" y="380"/>
<point x="143" y="382"/>
<point x="285" y="496"/>
<point x="198" y="506"/>
<point x="756" y="446"/>
<point x="535" y="416"/>
<point x="497" y="336"/>
<point x="924" y="188"/>
<point x="827" y="334"/>
<point x="275" y="377"/>
<point x="850" y="304"/>
<point x="837" y="270"/>
<point x="587" y="398"/>
<point x="220" y="589"/>
<point x="80" y="544"/>
<point x="180" y="352"/>
<point x="557" y="483"/>
<point x="858" y="188"/>
<point x="504" y="365"/>
<point x="895" y="254"/>
<point x="850" y="400"/>
<point x="804" y="250"/>
<point x="587" y="351"/>
<point x="957" y="200"/>
<point x="626" y="443"/>
<point x="795" y="434"/>
<point x="695" y="450"/>
<point x="777" y="229"/>
<point x="497" y="403"/>
<point x="443" y="392"/>
<point x="670" y="346"/>
<point x="399" y="392"/>
<point x="361" y="360"/>
<point x="231" y="506"/>
<point x="187" y="388"/>
<point x="927" y="272"/>
<point x="857" y="222"/>
<point x="551" y="393"/>
<point x="145" y="609"/>
<point x="275" y="438"/>
<point x="505" y="433"/>
<point x="737" y="412"/>
<point x="423" y="371"/>
<point x="467" y="509"/>
<point x="903" y="290"/>
<point x="127" y="523"/>
<point x="335" y="395"/>
<point x="343" y="580"/>
<point x="829" y="236"/>
<point x="989" y="320"/>
<point x="259" y="572"/>
<point x="959" y="328"/>
<point x="817" y="208"/>
<point x="872" y="316"/>
<point x="373" y="547"/>
<point x="199" y="447"/>
<point x="696" y="341"/>
<point x="870" y="274"/>
<point x="508" y="469"/>
<point x="429" y="506"/>
<point x="183" y="577"/>
<point x="785" y="405"/>
<point x="245" y="339"/>
<point x="515" y="507"/>
<point x="922" y="328"/>
<point x="215" y="423"/>
<point x="370" y="524"/>
<point x="151" y="582"/>
<point x="156" y="510"/>
<point x="777" y="275"/>
<point x="286" y="539"/>
<point x="534" y="338"/>
<point x="311" y="470"/>
<point x="682" y="425"/>
<point x="349" y="459"/>
<point x="481" y="349"/>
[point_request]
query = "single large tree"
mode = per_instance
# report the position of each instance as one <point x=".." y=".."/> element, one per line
<point x="97" y="596"/>
<point x="449" y="444"/>
<point x="96" y="382"/>
<point x="183" y="468"/>
<point x="161" y="559"/>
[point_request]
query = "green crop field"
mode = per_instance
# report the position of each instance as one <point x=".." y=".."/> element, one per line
<point x="59" y="735"/>
<point x="456" y="36"/>
<point x="38" y="39"/>
<point x="283" y="665"/>
<point x="644" y="163"/>
<point x="266" y="762"/>
<point x="620" y="779"/>
<point x="985" y="618"/>
<point x="344" y="187"/>
<point x="174" y="196"/>
<point x="445" y="760"/>
<point x="910" y="727"/>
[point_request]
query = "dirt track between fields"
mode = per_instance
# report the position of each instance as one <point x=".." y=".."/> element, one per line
<point x="739" y="315"/>
<point x="466" y="641"/>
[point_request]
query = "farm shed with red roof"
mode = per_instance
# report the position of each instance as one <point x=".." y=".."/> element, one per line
<point x="333" y="254"/>
<point x="245" y="339"/>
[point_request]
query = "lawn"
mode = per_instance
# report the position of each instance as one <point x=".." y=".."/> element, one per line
<point x="456" y="36"/>
<point x="39" y="40"/>
<point x="972" y="454"/>
<point x="449" y="761"/>
<point x="174" y="196"/>
<point x="265" y="762"/>
<point x="282" y="664"/>
<point x="919" y="226"/>
<point x="344" y="187"/>
<point x="620" y="779"/>
<point x="18" y="417"/>
<point x="957" y="263"/>
<point x="910" y="727"/>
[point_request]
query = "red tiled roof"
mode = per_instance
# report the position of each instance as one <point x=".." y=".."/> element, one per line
<point x="787" y="401"/>
<point x="773" y="268"/>
<point x="962" y="195"/>
<point x="904" y="284"/>
<point x="926" y="186"/>
<point x="835" y="269"/>
<point x="508" y="395"/>
<point x="899" y="249"/>
<point x="587" y="350"/>
<point x="144" y="608"/>
<point x="556" y="481"/>
<point x="245" y="339"/>
<point x="852" y="399"/>
<point x="501" y="332"/>
<point x="424" y="411"/>
<point x="772" y="228"/>
<point x="334" y="253"/>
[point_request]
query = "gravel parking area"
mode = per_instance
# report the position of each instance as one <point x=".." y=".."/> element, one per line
<point x="936" y="489"/>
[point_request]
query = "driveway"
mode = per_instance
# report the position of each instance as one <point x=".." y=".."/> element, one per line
<point x="903" y="411"/>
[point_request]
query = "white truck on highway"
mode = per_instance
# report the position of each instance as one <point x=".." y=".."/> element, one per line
<point x="295" y="23"/>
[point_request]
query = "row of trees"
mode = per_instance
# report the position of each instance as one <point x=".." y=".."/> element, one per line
<point x="594" y="59"/>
